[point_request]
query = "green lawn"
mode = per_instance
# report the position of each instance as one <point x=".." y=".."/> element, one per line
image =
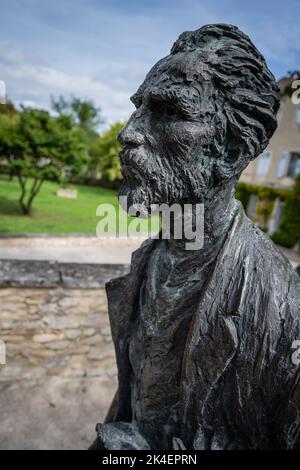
<point x="58" y="215"/>
<point x="52" y="214"/>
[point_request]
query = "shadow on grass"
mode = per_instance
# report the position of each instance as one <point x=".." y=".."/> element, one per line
<point x="9" y="207"/>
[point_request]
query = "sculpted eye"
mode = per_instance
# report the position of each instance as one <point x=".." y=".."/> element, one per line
<point x="163" y="108"/>
<point x="169" y="109"/>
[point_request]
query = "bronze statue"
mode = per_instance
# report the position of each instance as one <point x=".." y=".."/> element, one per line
<point x="203" y="338"/>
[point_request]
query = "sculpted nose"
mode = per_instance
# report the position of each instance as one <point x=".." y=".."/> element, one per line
<point x="131" y="135"/>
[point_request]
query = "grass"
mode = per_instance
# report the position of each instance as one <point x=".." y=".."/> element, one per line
<point x="57" y="215"/>
<point x="50" y="213"/>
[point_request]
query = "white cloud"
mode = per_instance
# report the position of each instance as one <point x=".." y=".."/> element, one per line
<point x="103" y="50"/>
<point x="32" y="83"/>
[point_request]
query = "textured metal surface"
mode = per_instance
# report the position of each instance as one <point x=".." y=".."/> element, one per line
<point x="204" y="339"/>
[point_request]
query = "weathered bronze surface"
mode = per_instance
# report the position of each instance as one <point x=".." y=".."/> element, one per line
<point x="204" y="339"/>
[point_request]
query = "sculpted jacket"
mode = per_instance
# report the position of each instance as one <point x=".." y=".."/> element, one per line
<point x="240" y="380"/>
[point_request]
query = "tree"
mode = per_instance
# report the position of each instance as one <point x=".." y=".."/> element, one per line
<point x="104" y="153"/>
<point x="39" y="147"/>
<point x="84" y="113"/>
<point x="8" y="113"/>
<point x="8" y="109"/>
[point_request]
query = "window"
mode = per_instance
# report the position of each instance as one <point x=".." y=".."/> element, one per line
<point x="263" y="163"/>
<point x="283" y="163"/>
<point x="294" y="165"/>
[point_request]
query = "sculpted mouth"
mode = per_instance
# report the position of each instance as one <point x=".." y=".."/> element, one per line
<point x="131" y="166"/>
<point x="132" y="176"/>
<point x="127" y="172"/>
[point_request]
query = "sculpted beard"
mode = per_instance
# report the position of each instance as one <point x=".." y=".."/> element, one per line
<point x="152" y="179"/>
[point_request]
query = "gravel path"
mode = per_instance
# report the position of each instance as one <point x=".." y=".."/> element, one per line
<point x="60" y="414"/>
<point x="70" y="249"/>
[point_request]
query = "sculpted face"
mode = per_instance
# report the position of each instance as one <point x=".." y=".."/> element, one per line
<point x="167" y="154"/>
<point x="203" y="113"/>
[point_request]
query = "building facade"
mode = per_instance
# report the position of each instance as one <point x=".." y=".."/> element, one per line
<point x="278" y="165"/>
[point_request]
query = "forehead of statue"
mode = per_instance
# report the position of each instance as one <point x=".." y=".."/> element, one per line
<point x="177" y="76"/>
<point x="186" y="65"/>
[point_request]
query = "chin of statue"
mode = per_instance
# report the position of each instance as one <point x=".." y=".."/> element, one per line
<point x="137" y="201"/>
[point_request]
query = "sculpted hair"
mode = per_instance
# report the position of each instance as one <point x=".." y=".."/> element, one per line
<point x="248" y="93"/>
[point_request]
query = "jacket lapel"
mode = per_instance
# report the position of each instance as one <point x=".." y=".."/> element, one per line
<point x="122" y="296"/>
<point x="121" y="291"/>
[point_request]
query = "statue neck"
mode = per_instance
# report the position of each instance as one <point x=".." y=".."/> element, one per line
<point x="218" y="215"/>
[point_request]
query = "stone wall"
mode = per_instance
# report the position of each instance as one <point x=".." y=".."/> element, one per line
<point x="54" y="321"/>
<point x="56" y="331"/>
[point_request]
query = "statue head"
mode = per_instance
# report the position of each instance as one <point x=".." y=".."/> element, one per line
<point x="202" y="114"/>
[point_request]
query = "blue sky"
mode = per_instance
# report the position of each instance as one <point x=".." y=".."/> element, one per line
<point x="102" y="49"/>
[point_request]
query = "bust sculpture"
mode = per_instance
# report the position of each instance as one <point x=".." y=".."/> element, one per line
<point x="203" y="338"/>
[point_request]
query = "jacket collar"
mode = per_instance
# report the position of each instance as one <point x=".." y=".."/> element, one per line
<point x="122" y="291"/>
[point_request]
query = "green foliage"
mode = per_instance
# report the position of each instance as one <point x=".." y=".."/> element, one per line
<point x="83" y="113"/>
<point x="39" y="147"/>
<point x="105" y="154"/>
<point x="87" y="116"/>
<point x="8" y="109"/>
<point x="243" y="193"/>
<point x="266" y="197"/>
<point x="281" y="238"/>
<point x="289" y="233"/>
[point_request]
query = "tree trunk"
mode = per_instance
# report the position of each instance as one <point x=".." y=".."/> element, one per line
<point x="36" y="186"/>
<point x="23" y="192"/>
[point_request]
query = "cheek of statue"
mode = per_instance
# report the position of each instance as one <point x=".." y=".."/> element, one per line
<point x="187" y="152"/>
<point x="187" y="141"/>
